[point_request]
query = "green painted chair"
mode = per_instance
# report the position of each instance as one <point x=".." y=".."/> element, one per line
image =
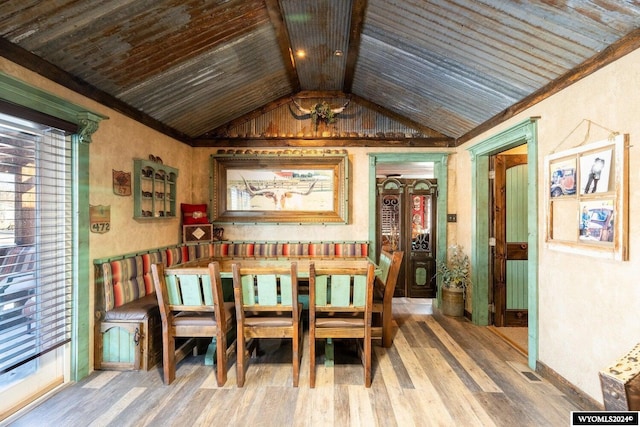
<point x="267" y="306"/>
<point x="191" y="306"/>
<point x="385" y="286"/>
<point x="340" y="306"/>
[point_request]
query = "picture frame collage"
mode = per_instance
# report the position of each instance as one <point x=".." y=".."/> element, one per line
<point x="586" y="199"/>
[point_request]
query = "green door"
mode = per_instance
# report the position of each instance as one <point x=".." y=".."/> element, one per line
<point x="511" y="234"/>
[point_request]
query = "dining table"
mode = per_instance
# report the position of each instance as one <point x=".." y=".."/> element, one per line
<point x="199" y="265"/>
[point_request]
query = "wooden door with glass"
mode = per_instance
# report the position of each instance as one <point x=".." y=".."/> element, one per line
<point x="406" y="222"/>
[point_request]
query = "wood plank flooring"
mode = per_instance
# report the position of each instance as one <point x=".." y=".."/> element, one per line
<point x="440" y="371"/>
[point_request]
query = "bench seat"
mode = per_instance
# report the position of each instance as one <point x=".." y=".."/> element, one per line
<point x="136" y="310"/>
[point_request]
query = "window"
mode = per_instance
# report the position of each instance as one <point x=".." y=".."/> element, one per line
<point x="35" y="245"/>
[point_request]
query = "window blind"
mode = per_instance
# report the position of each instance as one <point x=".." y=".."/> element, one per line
<point x="35" y="241"/>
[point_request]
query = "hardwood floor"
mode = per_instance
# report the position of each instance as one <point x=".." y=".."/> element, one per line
<point x="439" y="371"/>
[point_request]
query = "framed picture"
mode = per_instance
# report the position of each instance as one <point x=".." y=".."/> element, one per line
<point x="595" y="169"/>
<point x="280" y="187"/>
<point x="587" y="199"/>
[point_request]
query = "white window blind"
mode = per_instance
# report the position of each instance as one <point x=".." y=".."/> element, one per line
<point x="35" y="241"/>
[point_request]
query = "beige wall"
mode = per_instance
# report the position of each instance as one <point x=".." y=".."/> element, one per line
<point x="588" y="307"/>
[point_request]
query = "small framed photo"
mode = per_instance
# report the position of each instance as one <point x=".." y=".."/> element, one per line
<point x="595" y="170"/>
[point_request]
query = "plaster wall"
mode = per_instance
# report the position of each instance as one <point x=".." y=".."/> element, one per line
<point x="588" y="307"/>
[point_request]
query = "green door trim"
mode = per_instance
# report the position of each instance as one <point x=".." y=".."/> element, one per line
<point x="524" y="132"/>
<point x="25" y="95"/>
<point x="440" y="161"/>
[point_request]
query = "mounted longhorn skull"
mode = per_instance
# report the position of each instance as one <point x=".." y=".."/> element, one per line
<point x="308" y="111"/>
<point x="278" y="195"/>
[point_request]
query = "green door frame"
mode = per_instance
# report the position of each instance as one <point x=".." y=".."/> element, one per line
<point x="524" y="132"/>
<point x="23" y="94"/>
<point x="440" y="173"/>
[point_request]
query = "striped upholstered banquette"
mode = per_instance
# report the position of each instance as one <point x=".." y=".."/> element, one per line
<point x="127" y="320"/>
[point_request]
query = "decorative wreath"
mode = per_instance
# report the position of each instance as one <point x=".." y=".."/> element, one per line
<point x="321" y="112"/>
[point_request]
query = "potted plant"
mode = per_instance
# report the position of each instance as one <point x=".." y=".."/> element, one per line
<point x="455" y="277"/>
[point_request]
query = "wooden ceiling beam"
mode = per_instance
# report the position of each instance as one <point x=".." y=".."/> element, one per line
<point x="282" y="35"/>
<point x="358" y="9"/>
<point x="434" y="142"/>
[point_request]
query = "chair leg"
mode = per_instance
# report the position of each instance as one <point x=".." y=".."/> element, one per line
<point x="312" y="358"/>
<point x="221" y="358"/>
<point x="367" y="361"/>
<point x="168" y="357"/>
<point x="387" y="328"/>
<point x="240" y="359"/>
<point x="295" y="344"/>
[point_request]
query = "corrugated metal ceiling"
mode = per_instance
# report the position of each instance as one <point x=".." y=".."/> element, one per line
<point x="193" y="66"/>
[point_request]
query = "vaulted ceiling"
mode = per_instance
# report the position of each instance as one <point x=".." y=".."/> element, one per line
<point x="189" y="67"/>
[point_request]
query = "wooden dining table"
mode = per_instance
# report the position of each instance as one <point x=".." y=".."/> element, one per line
<point x="199" y="265"/>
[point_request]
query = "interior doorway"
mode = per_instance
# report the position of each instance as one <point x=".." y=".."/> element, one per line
<point x="406" y="221"/>
<point x="509" y="228"/>
<point x="524" y="132"/>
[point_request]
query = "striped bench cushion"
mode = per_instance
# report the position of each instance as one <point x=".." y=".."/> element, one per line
<point x="288" y="249"/>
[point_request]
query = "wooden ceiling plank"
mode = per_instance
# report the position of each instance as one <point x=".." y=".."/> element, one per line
<point x="610" y="54"/>
<point x="26" y="59"/>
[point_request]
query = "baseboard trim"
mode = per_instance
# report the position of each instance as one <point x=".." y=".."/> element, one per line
<point x="577" y="396"/>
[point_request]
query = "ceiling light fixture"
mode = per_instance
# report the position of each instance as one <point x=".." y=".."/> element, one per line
<point x="301" y="53"/>
<point x="337" y="52"/>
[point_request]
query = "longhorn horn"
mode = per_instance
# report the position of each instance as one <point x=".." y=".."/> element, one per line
<point x="304" y="193"/>
<point x="341" y="109"/>
<point x="253" y="191"/>
<point x="304" y="110"/>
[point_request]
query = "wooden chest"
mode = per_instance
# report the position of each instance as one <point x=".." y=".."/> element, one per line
<point x="620" y="383"/>
<point x="129" y="345"/>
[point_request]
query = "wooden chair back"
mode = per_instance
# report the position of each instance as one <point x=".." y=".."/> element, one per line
<point x="389" y="264"/>
<point x="340" y="306"/>
<point x="266" y="301"/>
<point x="194" y="291"/>
<point x="191" y="305"/>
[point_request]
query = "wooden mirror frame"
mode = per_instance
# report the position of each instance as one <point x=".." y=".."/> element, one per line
<point x="331" y="164"/>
